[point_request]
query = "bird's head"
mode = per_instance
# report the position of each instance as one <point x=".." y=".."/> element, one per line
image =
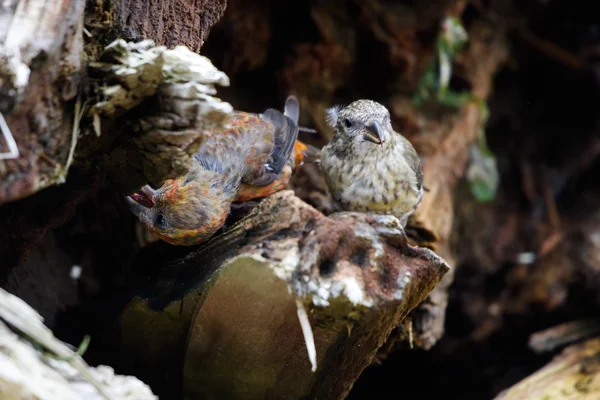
<point x="181" y="212"/>
<point x="361" y="122"/>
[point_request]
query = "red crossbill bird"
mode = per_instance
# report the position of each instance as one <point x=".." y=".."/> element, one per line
<point x="368" y="167"/>
<point x="252" y="157"/>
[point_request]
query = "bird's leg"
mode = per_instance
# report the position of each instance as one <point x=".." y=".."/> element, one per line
<point x="337" y="214"/>
<point x="387" y="227"/>
<point x="392" y="230"/>
<point x="396" y="237"/>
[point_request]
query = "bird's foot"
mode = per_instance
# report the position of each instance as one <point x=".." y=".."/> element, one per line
<point x="387" y="227"/>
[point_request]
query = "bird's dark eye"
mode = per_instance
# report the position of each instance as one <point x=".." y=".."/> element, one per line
<point x="347" y="123"/>
<point x="159" y="220"/>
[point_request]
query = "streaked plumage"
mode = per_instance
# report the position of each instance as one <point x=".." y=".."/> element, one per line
<point x="369" y="167"/>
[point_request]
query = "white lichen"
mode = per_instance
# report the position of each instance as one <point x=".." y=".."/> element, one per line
<point x="352" y="289"/>
<point x="401" y="283"/>
<point x="284" y="259"/>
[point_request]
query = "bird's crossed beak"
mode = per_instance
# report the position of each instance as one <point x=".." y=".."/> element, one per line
<point x="139" y="201"/>
<point x="375" y="133"/>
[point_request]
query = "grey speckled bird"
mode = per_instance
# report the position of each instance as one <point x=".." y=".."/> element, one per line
<point x="369" y="167"/>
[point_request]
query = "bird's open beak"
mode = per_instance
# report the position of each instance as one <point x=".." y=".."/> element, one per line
<point x="136" y="208"/>
<point x="148" y="191"/>
<point x="375" y="133"/>
<point x="144" y="199"/>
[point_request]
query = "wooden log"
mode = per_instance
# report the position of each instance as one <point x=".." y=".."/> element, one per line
<point x="573" y="374"/>
<point x="236" y="333"/>
<point x="34" y="364"/>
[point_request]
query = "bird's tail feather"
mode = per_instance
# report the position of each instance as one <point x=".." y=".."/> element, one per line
<point x="286" y="134"/>
<point x="292" y="109"/>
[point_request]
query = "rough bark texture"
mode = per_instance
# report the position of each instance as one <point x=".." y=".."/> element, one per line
<point x="355" y="283"/>
<point x="170" y="22"/>
<point x="41" y="42"/>
<point x="41" y="50"/>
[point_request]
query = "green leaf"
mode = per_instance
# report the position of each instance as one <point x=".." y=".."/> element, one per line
<point x="483" y="192"/>
<point x="482" y="174"/>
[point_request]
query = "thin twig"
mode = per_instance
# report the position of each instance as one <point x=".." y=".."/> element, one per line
<point x="553" y="215"/>
<point x="550" y="243"/>
<point x="552" y="50"/>
<point x="48" y="160"/>
<point x="564" y="334"/>
<point x="79" y="110"/>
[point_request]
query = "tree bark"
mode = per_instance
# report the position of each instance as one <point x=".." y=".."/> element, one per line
<point x="41" y="53"/>
<point x="170" y="22"/>
<point x="41" y="50"/>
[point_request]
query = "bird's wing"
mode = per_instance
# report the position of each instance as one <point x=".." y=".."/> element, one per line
<point x="261" y="148"/>
<point x="266" y="178"/>
<point x="302" y="153"/>
<point x="286" y="133"/>
<point x="275" y="134"/>
<point x="414" y="161"/>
